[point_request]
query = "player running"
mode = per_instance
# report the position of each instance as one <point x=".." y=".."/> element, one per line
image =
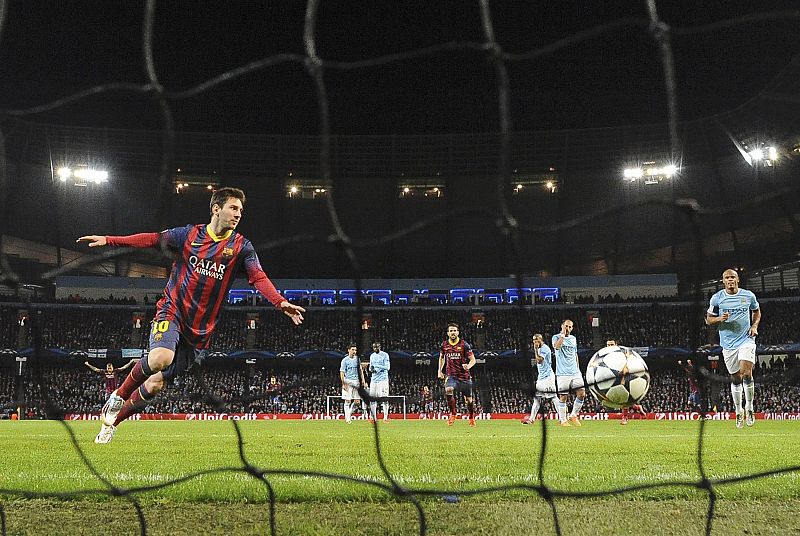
<point x="545" y="381"/>
<point x="737" y="314"/>
<point x="457" y="359"/>
<point x="207" y="259"/>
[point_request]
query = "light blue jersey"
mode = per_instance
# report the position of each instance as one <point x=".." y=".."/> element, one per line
<point x="379" y="366"/>
<point x="545" y="367"/>
<point x="350" y="368"/>
<point x="733" y="332"/>
<point x="566" y="356"/>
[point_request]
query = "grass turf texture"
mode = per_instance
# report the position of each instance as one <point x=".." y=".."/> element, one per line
<point x="600" y="456"/>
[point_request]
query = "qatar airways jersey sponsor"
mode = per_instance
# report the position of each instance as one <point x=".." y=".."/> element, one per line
<point x="201" y="276"/>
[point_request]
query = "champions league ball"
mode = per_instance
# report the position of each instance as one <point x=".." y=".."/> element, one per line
<point x="617" y="377"/>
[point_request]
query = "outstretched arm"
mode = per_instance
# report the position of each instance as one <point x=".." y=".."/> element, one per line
<point x="128" y="365"/>
<point x="141" y="240"/>
<point x="94" y="369"/>
<point x="257" y="278"/>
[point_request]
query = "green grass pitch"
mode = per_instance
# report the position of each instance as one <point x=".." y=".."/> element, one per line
<point x="421" y="455"/>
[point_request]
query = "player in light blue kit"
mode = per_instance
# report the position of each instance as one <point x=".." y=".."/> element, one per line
<point x="379" y="383"/>
<point x="568" y="375"/>
<point x="352" y="376"/>
<point x="545" y="381"/>
<point x="737" y="314"/>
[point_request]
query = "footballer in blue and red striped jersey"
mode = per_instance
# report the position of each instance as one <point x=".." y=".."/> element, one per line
<point x="201" y="277"/>
<point x="110" y="374"/>
<point x="206" y="260"/>
<point x="457" y="359"/>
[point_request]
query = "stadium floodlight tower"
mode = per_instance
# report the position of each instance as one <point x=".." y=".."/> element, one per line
<point x="767" y="155"/>
<point x="82" y="175"/>
<point x="650" y="172"/>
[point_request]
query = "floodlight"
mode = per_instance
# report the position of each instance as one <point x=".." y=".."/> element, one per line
<point x="64" y="173"/>
<point x="91" y="175"/>
<point x="633" y="173"/>
<point x="756" y="154"/>
<point x="772" y="153"/>
<point x="293" y="189"/>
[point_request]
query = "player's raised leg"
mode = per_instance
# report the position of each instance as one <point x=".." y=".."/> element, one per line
<point x="156" y="360"/>
<point x="135" y="403"/>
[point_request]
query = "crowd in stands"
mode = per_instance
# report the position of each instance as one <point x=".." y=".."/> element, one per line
<point x="85" y="328"/>
<point x="9" y="327"/>
<point x="303" y="388"/>
<point x="80" y="327"/>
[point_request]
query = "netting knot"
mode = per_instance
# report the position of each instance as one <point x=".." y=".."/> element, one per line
<point x="659" y="29"/>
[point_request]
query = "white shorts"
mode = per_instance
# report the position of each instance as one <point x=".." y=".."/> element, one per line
<point x="566" y="384"/>
<point x="746" y="352"/>
<point x="546" y="388"/>
<point x="379" y="389"/>
<point x="350" y="392"/>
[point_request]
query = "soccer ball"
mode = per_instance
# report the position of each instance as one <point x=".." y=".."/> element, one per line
<point x="617" y="377"/>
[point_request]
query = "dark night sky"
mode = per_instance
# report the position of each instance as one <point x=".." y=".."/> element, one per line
<point x="51" y="49"/>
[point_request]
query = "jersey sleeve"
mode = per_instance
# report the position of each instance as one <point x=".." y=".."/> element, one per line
<point x="341" y="367"/>
<point x="175" y="237"/>
<point x="257" y="277"/>
<point x="387" y="362"/>
<point x="467" y="349"/>
<point x="753" y="302"/>
<point x="713" y="305"/>
<point x="140" y="240"/>
<point x="545" y="352"/>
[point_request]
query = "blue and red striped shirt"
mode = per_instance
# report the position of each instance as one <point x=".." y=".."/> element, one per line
<point x="202" y="274"/>
<point x="456" y="355"/>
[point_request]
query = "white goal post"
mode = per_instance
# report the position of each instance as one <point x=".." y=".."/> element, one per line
<point x="339" y="397"/>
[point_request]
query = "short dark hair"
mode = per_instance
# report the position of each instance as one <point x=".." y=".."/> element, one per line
<point x="352" y="345"/>
<point x="219" y="197"/>
<point x="453" y="324"/>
